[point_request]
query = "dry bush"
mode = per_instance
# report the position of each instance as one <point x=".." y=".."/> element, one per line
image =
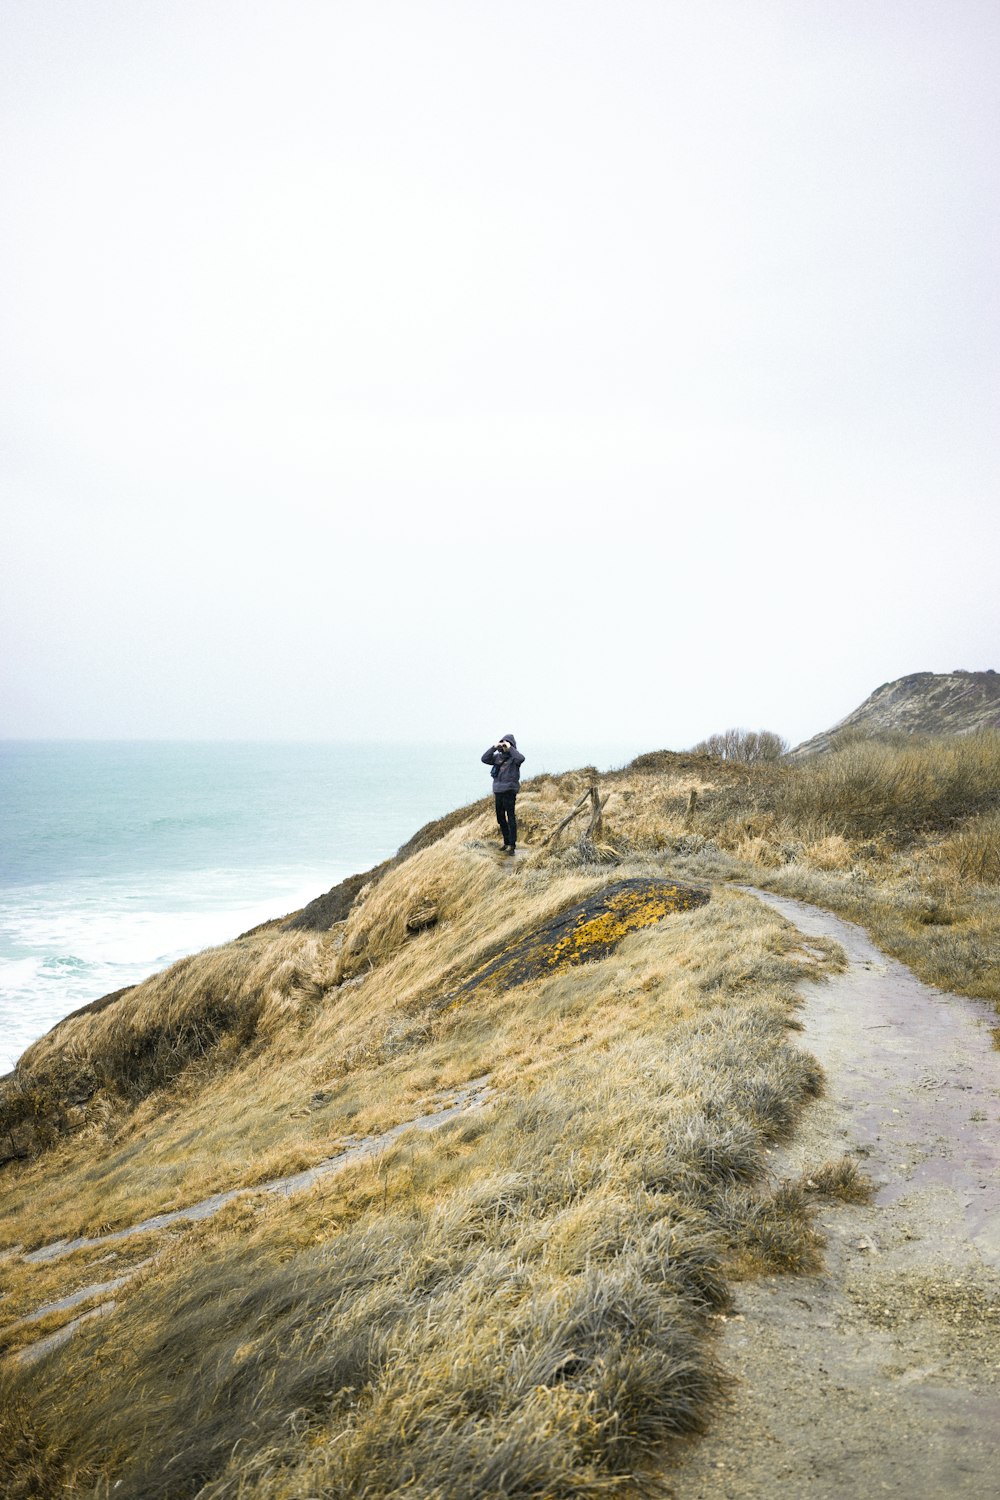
<point x="654" y="815"/>
<point x="885" y="793"/>
<point x="756" y="849"/>
<point x="748" y="746"/>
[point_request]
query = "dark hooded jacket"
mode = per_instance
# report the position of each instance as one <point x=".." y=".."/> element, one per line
<point x="506" y="766"/>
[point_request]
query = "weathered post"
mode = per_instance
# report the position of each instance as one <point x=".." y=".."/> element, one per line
<point x="595" y="827"/>
<point x="692" y="804"/>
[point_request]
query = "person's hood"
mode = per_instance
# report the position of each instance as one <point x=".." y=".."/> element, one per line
<point x="511" y="741"/>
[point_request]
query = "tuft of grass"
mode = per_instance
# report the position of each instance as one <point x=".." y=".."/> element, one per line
<point x="769" y="1232"/>
<point x="842" y="1179"/>
<point x="972" y="852"/>
<point x="832" y="852"/>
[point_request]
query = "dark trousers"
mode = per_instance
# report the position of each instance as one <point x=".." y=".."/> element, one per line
<point x="507" y="817"/>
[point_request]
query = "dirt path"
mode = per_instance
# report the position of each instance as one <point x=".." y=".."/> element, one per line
<point x="881" y="1375"/>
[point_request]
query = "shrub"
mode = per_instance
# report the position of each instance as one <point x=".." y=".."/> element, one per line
<point x="748" y="746"/>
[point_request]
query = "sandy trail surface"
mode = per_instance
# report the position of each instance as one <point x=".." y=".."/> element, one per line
<point x="880" y="1375"/>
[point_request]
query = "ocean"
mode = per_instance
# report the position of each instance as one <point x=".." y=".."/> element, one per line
<point x="116" y="858"/>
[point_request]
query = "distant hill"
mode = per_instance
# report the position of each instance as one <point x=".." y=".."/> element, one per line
<point x="924" y="703"/>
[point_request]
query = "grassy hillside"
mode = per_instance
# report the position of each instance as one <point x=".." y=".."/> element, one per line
<point x="521" y="1302"/>
<point x="934" y="703"/>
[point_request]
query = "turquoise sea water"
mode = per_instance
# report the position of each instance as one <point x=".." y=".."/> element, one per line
<point x="118" y="857"/>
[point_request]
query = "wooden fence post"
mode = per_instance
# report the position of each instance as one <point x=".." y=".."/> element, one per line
<point x="692" y="804"/>
<point x="594" y="827"/>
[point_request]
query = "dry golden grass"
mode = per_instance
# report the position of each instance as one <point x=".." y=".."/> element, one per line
<point x="519" y="1305"/>
<point x="833" y="852"/>
<point x="871" y="788"/>
<point x="900" y="836"/>
<point x="522" y="1303"/>
<point x="243" y="1109"/>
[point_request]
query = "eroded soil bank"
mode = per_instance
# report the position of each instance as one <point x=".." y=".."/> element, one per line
<point x="881" y="1374"/>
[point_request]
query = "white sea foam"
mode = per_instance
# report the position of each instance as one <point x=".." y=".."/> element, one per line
<point x="15" y="973"/>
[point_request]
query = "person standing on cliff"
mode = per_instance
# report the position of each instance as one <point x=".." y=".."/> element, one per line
<point x="506" y="760"/>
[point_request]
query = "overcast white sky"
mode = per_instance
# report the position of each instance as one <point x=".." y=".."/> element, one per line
<point x="378" y="370"/>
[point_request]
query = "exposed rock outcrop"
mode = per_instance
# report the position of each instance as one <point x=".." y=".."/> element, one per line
<point x="589" y="929"/>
